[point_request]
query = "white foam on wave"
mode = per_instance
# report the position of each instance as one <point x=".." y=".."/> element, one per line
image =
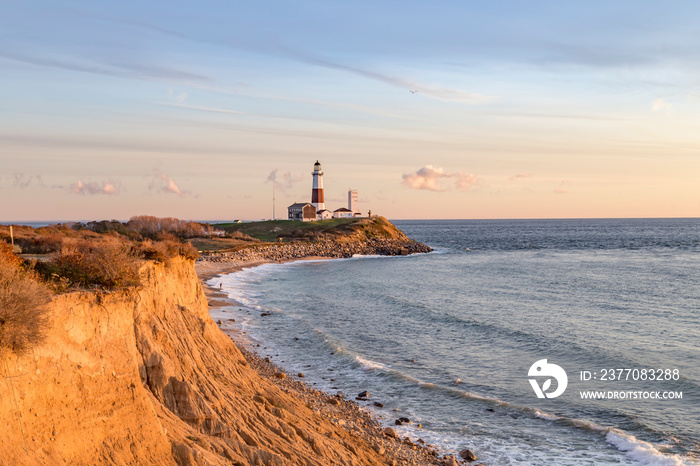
<point x="548" y="417"/>
<point x="370" y="365"/>
<point x="641" y="451"/>
<point x="481" y="397"/>
<point x="237" y="285"/>
<point x="374" y="256"/>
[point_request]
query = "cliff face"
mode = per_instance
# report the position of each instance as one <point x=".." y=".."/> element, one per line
<point x="146" y="377"/>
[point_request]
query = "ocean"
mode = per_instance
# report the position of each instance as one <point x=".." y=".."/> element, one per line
<point x="453" y="339"/>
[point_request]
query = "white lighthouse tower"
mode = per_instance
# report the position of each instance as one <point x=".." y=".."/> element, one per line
<point x="317" y="191"/>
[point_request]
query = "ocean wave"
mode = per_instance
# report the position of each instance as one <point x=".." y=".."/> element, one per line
<point x="643" y="452"/>
<point x="548" y="417"/>
<point x="370" y="365"/>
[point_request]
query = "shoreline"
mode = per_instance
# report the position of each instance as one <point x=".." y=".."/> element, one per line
<point x="340" y="408"/>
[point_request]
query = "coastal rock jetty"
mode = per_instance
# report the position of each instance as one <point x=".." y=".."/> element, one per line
<point x="332" y="248"/>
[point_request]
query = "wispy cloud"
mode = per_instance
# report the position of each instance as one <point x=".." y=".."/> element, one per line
<point x="559" y="116"/>
<point x="561" y="189"/>
<point x="465" y="181"/>
<point x="433" y="91"/>
<point x="140" y="71"/>
<point x="165" y="184"/>
<point x="284" y="182"/>
<point x="429" y="90"/>
<point x="177" y="97"/>
<point x="109" y="188"/>
<point x="22" y="181"/>
<point x="225" y="111"/>
<point x="520" y="176"/>
<point x="661" y="105"/>
<point x="429" y="178"/>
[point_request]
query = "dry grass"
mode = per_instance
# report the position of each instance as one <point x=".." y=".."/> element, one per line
<point x="108" y="263"/>
<point x="105" y="254"/>
<point x="22" y="305"/>
<point x="241" y="236"/>
<point x="166" y="248"/>
<point x="43" y="244"/>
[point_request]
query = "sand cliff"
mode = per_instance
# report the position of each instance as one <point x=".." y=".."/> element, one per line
<point x="144" y="376"/>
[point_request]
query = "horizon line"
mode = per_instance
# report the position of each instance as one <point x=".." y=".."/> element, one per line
<point x="56" y="222"/>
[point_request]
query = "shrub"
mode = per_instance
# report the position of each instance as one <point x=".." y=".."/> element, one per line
<point x="167" y="248"/>
<point x="41" y="244"/>
<point x="23" y="302"/>
<point x="110" y="264"/>
<point x="152" y="227"/>
<point x="237" y="234"/>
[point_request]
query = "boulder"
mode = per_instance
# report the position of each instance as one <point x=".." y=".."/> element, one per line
<point x="467" y="455"/>
<point x="390" y="432"/>
<point x="449" y="461"/>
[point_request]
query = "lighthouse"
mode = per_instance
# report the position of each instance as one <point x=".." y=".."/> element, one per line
<point x="317" y="188"/>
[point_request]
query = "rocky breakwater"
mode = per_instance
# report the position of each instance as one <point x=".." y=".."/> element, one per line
<point x="332" y="248"/>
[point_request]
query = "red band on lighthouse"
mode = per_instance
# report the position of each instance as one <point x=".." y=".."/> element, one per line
<point x="317" y="196"/>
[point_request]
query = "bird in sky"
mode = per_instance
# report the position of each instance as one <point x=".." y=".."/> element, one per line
<point x="412" y="92"/>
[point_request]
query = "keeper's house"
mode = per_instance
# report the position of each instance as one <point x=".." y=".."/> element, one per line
<point x="302" y="211"/>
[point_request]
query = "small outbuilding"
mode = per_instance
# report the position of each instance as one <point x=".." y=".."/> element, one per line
<point x="324" y="214"/>
<point x="342" y="213"/>
<point x="301" y="211"/>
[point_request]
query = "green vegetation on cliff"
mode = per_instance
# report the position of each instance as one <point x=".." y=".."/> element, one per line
<point x="355" y="229"/>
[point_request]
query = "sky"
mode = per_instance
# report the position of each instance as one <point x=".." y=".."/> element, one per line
<point x="449" y="109"/>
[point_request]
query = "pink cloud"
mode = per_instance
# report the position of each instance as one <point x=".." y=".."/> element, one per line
<point x="285" y="182"/>
<point x="465" y="181"/>
<point x="92" y="188"/>
<point x="20" y="180"/>
<point x="110" y="188"/>
<point x="560" y="189"/>
<point x="170" y="186"/>
<point x="521" y="176"/>
<point x="165" y="184"/>
<point x="429" y="178"/>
